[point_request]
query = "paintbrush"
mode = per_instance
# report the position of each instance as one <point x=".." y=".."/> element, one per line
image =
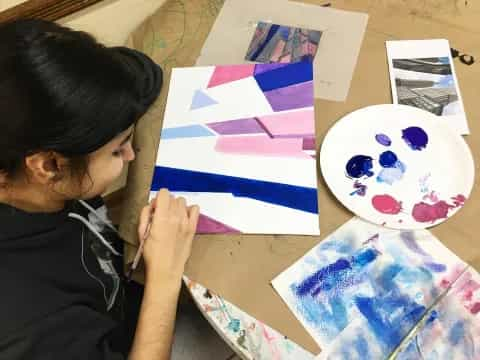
<point x="139" y="252"/>
<point x="414" y="331"/>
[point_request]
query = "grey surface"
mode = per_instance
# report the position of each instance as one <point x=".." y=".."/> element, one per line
<point x="195" y="339"/>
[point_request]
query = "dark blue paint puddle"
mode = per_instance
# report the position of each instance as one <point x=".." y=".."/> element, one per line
<point x="388" y="159"/>
<point x="415" y="137"/>
<point x="383" y="139"/>
<point x="359" y="165"/>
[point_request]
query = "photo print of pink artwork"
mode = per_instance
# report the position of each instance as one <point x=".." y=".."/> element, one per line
<point x="279" y="43"/>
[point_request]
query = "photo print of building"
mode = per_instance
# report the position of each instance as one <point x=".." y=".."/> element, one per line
<point x="428" y="84"/>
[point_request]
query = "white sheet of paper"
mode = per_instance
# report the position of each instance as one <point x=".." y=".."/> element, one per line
<point x="422" y="74"/>
<point x="338" y="49"/>
<point x="360" y="290"/>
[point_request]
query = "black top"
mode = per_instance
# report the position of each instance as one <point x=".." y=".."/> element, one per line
<point x="61" y="287"/>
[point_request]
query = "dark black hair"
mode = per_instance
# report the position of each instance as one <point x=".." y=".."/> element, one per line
<point x="62" y="91"/>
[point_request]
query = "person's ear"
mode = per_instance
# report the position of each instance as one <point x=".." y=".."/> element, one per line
<point x="45" y="167"/>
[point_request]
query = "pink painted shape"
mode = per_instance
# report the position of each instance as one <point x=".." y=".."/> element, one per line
<point x="386" y="204"/>
<point x="261" y="146"/>
<point x="309" y="143"/>
<point x="207" y="225"/>
<point x="459" y="200"/>
<point x="423" y="212"/>
<point x="297" y="123"/>
<point x="227" y="73"/>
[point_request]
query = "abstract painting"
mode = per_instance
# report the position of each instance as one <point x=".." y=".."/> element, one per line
<point x="388" y="164"/>
<point x="362" y="289"/>
<point x="422" y="75"/>
<point x="273" y="43"/>
<point x="239" y="141"/>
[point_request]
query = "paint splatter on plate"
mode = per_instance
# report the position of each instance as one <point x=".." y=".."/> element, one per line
<point x="397" y="166"/>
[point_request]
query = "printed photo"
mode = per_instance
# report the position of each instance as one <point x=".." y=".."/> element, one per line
<point x="427" y="83"/>
<point x="278" y="43"/>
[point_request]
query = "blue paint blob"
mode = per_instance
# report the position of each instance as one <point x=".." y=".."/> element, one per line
<point x="390" y="175"/>
<point x="388" y="159"/>
<point x="383" y="139"/>
<point x="457" y="332"/>
<point x="339" y="312"/>
<point x="415" y="137"/>
<point x="359" y="165"/>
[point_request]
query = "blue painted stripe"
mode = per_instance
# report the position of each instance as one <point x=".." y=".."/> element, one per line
<point x="295" y="197"/>
<point x="185" y="132"/>
<point x="285" y="76"/>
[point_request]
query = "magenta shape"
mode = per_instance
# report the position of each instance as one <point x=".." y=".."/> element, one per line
<point x="261" y="68"/>
<point x="207" y="225"/>
<point x="239" y="126"/>
<point x="291" y="97"/>
<point x="309" y="143"/>
<point x="228" y="73"/>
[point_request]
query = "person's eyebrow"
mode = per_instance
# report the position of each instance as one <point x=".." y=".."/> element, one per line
<point x="128" y="137"/>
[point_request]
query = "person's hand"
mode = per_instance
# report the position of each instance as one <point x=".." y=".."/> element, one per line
<point x="169" y="242"/>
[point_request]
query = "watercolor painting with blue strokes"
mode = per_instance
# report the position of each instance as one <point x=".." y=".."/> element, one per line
<point x="362" y="289"/>
<point x="239" y="141"/>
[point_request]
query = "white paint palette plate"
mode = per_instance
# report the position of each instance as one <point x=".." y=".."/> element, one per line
<point x="397" y="166"/>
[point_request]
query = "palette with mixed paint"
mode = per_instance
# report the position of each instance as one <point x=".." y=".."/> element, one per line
<point x="397" y="166"/>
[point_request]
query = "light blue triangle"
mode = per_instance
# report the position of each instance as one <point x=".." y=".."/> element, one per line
<point x="200" y="100"/>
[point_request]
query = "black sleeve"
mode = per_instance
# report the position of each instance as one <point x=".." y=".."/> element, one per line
<point x="76" y="332"/>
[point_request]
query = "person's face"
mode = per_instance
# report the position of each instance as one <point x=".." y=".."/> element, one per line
<point x="106" y="164"/>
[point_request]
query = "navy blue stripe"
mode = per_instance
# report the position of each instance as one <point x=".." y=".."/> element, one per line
<point x="271" y="32"/>
<point x="291" y="74"/>
<point x="295" y="197"/>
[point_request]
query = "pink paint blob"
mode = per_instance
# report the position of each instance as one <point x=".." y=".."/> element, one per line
<point x="423" y="212"/>
<point x="386" y="204"/>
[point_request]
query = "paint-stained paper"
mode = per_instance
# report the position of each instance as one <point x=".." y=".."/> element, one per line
<point x="362" y="289"/>
<point x="239" y="141"/>
<point x="422" y="75"/>
<point x="233" y="35"/>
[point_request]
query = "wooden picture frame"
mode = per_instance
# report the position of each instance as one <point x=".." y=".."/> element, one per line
<point x="44" y="9"/>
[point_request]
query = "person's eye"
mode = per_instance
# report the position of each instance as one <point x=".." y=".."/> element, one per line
<point x="117" y="153"/>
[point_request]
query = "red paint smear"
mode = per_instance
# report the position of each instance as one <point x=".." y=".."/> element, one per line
<point x="386" y="204"/>
<point x="475" y="308"/>
<point x="459" y="200"/>
<point x="423" y="212"/>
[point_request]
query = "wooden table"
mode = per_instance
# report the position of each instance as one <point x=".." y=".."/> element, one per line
<point x="240" y="267"/>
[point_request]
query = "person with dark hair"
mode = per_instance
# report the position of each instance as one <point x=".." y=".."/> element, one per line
<point x="68" y="107"/>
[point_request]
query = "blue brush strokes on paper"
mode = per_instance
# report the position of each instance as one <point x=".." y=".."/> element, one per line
<point x="188" y="131"/>
<point x="201" y="100"/>
<point x="330" y="276"/>
<point x="294" y="197"/>
<point x="361" y="346"/>
<point x="457" y="332"/>
<point x="291" y="74"/>
<point x="390" y="316"/>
